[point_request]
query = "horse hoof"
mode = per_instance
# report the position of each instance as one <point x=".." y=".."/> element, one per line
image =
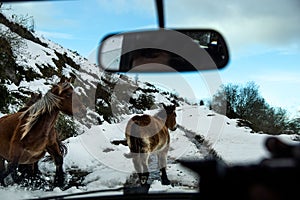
<point x="2" y="182"/>
<point x="165" y="182"/>
<point x="60" y="182"/>
<point x="144" y="180"/>
<point x="8" y="180"/>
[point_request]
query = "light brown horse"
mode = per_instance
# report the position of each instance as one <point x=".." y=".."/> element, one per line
<point x="26" y="136"/>
<point x="147" y="134"/>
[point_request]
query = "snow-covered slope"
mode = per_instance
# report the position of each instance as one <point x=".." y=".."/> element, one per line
<point x="36" y="63"/>
<point x="106" y="166"/>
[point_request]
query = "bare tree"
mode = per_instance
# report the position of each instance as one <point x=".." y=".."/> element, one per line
<point x="245" y="102"/>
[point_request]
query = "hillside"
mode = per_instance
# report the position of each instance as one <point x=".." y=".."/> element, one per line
<point x="31" y="64"/>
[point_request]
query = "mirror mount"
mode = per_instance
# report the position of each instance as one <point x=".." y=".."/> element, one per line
<point x="160" y="13"/>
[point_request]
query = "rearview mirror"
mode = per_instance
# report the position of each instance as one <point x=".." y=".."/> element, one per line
<point x="163" y="51"/>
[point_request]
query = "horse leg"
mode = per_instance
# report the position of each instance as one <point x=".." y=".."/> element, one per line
<point x="12" y="166"/>
<point x="2" y="169"/>
<point x="11" y="170"/>
<point x="162" y="163"/>
<point x="29" y="170"/>
<point x="54" y="151"/>
<point x="140" y="161"/>
<point x="164" y="177"/>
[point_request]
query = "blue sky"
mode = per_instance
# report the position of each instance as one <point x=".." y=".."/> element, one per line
<point x="263" y="37"/>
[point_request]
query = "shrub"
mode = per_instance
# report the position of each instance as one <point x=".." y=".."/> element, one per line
<point x="294" y="126"/>
<point x="143" y="102"/>
<point x="66" y="127"/>
<point x="5" y="99"/>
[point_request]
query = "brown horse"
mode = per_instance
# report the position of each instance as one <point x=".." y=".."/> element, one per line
<point x="26" y="136"/>
<point x="32" y="170"/>
<point x="147" y="134"/>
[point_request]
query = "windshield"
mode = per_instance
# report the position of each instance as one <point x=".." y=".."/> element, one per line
<point x="49" y="56"/>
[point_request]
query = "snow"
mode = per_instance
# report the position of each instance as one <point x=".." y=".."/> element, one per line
<point x="107" y="166"/>
<point x="31" y="57"/>
<point x="35" y="85"/>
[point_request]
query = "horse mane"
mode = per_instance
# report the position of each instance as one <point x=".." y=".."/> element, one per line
<point x="45" y="105"/>
<point x="34" y="98"/>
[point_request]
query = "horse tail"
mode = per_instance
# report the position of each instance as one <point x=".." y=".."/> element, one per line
<point x="136" y="144"/>
<point x="62" y="147"/>
<point x="133" y="134"/>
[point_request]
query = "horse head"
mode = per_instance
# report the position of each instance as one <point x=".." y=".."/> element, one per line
<point x="171" y="117"/>
<point x="69" y="100"/>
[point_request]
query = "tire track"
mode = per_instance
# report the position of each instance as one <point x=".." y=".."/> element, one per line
<point x="201" y="143"/>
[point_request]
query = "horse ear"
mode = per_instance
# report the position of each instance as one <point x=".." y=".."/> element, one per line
<point x="62" y="79"/>
<point x="69" y="80"/>
<point x="55" y="90"/>
<point x="72" y="79"/>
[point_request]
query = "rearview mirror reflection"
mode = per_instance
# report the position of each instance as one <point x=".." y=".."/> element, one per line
<point x="148" y="51"/>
